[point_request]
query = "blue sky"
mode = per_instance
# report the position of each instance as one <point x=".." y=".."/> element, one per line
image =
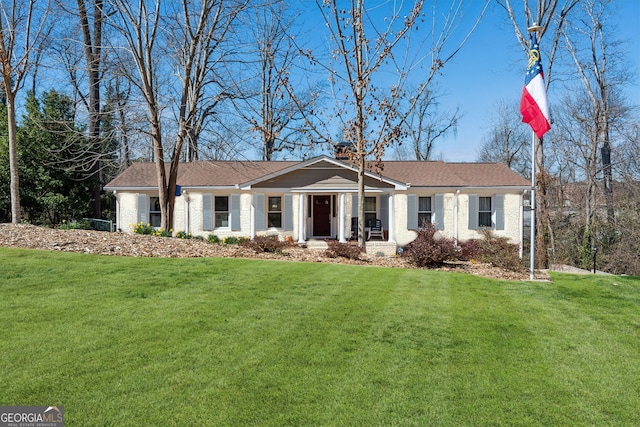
<point x="491" y="68"/>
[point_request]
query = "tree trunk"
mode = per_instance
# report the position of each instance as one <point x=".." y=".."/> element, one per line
<point x="362" y="243"/>
<point x="608" y="175"/>
<point x="542" y="208"/>
<point x="92" y="51"/>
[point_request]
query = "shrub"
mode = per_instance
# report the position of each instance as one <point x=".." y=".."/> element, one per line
<point x="499" y="252"/>
<point x="163" y="233"/>
<point x="427" y="251"/>
<point x="213" y="238"/>
<point x="230" y="240"/>
<point x="469" y="250"/>
<point x="183" y="235"/>
<point x="344" y="250"/>
<point x="242" y="240"/>
<point x="142" y="228"/>
<point x="75" y="225"/>
<point x="269" y="244"/>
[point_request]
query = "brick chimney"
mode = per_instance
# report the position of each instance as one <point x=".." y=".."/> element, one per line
<point x="342" y="149"/>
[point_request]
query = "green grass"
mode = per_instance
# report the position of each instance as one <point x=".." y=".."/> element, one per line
<point x="232" y="342"/>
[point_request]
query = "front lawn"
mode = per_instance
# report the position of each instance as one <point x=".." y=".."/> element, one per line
<point x="233" y="342"/>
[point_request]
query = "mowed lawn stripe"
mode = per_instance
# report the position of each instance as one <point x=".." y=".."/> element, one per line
<point x="245" y="342"/>
<point x="326" y="316"/>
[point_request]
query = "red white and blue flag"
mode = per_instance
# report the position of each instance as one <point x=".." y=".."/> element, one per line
<point x="533" y="105"/>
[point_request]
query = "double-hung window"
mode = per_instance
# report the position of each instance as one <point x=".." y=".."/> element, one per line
<point x="424" y="211"/>
<point x="154" y="212"/>
<point x="221" y="206"/>
<point x="274" y="212"/>
<point x="484" y="212"/>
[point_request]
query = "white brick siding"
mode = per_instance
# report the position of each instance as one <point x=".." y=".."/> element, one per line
<point x="128" y="210"/>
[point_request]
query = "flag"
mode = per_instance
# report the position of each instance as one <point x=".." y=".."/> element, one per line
<point x="533" y="105"/>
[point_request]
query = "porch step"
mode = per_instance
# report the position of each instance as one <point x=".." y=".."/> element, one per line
<point x="374" y="247"/>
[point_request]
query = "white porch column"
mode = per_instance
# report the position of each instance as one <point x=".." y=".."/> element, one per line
<point x="341" y="219"/>
<point x="252" y="214"/>
<point x="392" y="234"/>
<point x="301" y="218"/>
<point x="456" y="211"/>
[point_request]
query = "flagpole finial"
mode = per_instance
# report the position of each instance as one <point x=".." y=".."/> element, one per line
<point x="534" y="28"/>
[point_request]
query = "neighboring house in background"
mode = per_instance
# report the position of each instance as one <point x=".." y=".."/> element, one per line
<point x="316" y="199"/>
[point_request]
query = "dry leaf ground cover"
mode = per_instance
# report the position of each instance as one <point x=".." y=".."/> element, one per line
<point x="128" y="244"/>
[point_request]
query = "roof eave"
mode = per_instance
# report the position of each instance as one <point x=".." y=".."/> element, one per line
<point x="130" y="188"/>
<point x="453" y="188"/>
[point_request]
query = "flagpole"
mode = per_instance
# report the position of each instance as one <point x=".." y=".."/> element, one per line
<point x="532" y="261"/>
<point x="532" y="250"/>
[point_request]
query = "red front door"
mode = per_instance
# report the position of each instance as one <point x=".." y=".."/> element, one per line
<point x="322" y="215"/>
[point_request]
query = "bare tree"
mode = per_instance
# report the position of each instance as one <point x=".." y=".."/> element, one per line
<point x="425" y="124"/>
<point x="115" y="113"/>
<point x="551" y="15"/>
<point x="198" y="31"/>
<point x="79" y="48"/>
<point x="264" y="93"/>
<point x="199" y="51"/>
<point x="139" y="26"/>
<point x="91" y="26"/>
<point x="508" y="141"/>
<point x="623" y="253"/>
<point x="597" y="61"/>
<point x="364" y="45"/>
<point x="22" y="24"/>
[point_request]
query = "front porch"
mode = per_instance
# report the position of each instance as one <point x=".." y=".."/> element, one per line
<point x="333" y="215"/>
<point x="373" y="247"/>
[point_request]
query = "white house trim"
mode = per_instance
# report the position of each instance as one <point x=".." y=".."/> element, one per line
<point x="247" y="184"/>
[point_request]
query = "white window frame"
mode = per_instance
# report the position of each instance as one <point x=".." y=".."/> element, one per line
<point x="274" y="212"/>
<point x="154" y="211"/>
<point x="491" y="212"/>
<point x="216" y="212"/>
<point x="429" y="212"/>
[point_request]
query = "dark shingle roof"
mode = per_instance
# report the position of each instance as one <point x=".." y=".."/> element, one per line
<point x="230" y="173"/>
<point x="441" y="174"/>
<point x="199" y="173"/>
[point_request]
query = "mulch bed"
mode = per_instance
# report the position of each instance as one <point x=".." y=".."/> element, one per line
<point x="128" y="244"/>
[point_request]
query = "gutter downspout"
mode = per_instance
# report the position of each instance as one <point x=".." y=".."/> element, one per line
<point x="455" y="216"/>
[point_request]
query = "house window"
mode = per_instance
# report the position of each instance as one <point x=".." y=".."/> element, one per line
<point x="424" y="211"/>
<point x="484" y="212"/>
<point x="274" y="214"/>
<point x="221" y="206"/>
<point x="155" y="215"/>
<point x="370" y="212"/>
